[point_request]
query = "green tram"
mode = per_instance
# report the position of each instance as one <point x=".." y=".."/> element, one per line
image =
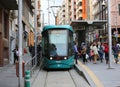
<point x="57" y="47"/>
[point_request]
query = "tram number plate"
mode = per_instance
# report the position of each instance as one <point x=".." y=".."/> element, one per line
<point x="58" y="61"/>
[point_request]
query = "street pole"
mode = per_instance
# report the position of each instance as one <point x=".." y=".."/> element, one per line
<point x="35" y="27"/>
<point x="42" y="20"/>
<point x="72" y="10"/>
<point x="55" y="13"/>
<point x="20" y="41"/>
<point x="109" y="34"/>
<point x="116" y="23"/>
<point x="48" y="14"/>
<point x="103" y="5"/>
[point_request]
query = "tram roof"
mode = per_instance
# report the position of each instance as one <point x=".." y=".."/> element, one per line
<point x="50" y="27"/>
<point x="79" y="23"/>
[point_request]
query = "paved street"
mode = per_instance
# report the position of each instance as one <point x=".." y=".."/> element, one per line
<point x="109" y="77"/>
<point x="8" y="74"/>
<point x="99" y="73"/>
<point x="102" y="74"/>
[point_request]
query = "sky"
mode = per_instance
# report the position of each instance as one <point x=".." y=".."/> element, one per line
<point x="44" y="8"/>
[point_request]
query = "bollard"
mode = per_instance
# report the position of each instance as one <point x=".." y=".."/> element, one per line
<point x="27" y="78"/>
<point x="17" y="68"/>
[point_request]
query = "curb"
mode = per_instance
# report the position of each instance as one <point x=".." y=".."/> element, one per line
<point x="85" y="76"/>
<point x="89" y="75"/>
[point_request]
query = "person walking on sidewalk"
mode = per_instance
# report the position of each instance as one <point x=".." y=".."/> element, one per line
<point x="95" y="50"/>
<point x="76" y="52"/>
<point x="91" y="52"/>
<point x="106" y="51"/>
<point x="100" y="51"/>
<point x="84" y="50"/>
<point x="115" y="49"/>
<point x="15" y="51"/>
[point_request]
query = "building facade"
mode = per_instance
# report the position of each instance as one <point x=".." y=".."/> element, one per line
<point x="61" y="14"/>
<point x="5" y="8"/>
<point x="67" y="12"/>
<point x="100" y="13"/>
<point x="9" y="27"/>
<point x="115" y="17"/>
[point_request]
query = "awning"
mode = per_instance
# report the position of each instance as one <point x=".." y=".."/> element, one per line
<point x="87" y="23"/>
<point x="9" y="4"/>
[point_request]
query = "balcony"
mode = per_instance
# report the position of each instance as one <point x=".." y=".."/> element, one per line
<point x="77" y="2"/>
<point x="9" y="4"/>
<point x="95" y="3"/>
<point x="79" y="16"/>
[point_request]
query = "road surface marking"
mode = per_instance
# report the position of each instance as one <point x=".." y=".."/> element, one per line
<point x="92" y="75"/>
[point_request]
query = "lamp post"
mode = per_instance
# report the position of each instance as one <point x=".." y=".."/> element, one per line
<point x="103" y="4"/>
<point x="20" y="41"/>
<point x="109" y="33"/>
<point x="35" y="27"/>
<point x="116" y="31"/>
<point x="42" y="20"/>
<point x="48" y="13"/>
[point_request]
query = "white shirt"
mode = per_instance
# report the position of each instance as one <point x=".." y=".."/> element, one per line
<point x="95" y="49"/>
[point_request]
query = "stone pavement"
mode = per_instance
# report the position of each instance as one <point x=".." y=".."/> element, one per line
<point x="101" y="74"/>
<point x="98" y="73"/>
<point x="8" y="74"/>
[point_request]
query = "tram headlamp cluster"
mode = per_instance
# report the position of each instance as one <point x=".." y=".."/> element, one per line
<point x="65" y="58"/>
<point x="51" y="58"/>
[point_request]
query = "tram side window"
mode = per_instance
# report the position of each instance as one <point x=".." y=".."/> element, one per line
<point x="70" y="42"/>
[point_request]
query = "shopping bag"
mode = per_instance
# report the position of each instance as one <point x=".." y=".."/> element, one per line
<point x="87" y="56"/>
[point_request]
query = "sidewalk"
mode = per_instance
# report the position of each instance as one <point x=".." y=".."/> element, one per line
<point x="8" y="74"/>
<point x="101" y="74"/>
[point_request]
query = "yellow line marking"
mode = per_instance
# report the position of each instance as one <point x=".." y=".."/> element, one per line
<point x="92" y="75"/>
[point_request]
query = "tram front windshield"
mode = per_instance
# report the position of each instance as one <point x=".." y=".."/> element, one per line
<point x="58" y="42"/>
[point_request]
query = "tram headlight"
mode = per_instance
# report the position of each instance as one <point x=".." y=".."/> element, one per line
<point x="51" y="58"/>
<point x="65" y="58"/>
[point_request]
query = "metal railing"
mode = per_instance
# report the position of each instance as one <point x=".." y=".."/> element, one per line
<point x="33" y="65"/>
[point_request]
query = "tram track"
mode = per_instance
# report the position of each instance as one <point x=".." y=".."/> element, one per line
<point x="60" y="78"/>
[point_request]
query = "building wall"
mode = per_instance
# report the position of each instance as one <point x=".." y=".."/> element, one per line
<point x="4" y="36"/>
<point x="79" y="10"/>
<point x="115" y="17"/>
<point x="61" y="14"/>
<point x="7" y="26"/>
<point x="100" y="13"/>
<point x="89" y="9"/>
<point x="1" y="57"/>
<point x="67" y="12"/>
<point x="84" y="9"/>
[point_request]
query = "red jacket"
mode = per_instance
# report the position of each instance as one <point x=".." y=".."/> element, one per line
<point x="106" y="48"/>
